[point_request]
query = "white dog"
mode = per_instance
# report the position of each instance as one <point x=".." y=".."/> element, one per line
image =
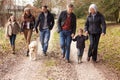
<point x="33" y="50"/>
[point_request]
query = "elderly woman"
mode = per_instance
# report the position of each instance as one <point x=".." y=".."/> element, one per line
<point x="95" y="26"/>
<point x="12" y="29"/>
<point x="28" y="22"/>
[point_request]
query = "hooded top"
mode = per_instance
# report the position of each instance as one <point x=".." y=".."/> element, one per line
<point x="94" y="7"/>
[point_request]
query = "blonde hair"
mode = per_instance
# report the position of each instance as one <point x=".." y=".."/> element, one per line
<point x="11" y="18"/>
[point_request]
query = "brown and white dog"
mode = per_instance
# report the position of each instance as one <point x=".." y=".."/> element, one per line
<point x="33" y="50"/>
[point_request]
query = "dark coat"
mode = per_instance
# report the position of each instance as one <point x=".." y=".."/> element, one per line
<point x="62" y="19"/>
<point x="41" y="19"/>
<point x="96" y="26"/>
<point x="27" y="18"/>
<point x="80" y="41"/>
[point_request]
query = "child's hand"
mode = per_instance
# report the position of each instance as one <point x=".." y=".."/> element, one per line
<point x="86" y="32"/>
<point x="6" y="36"/>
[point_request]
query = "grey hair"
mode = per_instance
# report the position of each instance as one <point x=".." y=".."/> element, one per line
<point x="93" y="6"/>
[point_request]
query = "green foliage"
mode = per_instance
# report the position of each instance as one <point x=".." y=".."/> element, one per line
<point x="109" y="47"/>
<point x="110" y="9"/>
<point x="38" y="3"/>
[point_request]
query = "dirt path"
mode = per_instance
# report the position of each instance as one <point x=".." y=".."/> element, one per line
<point x="53" y="67"/>
<point x="86" y="70"/>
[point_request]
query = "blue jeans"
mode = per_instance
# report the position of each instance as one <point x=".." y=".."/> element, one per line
<point x="12" y="39"/>
<point x="44" y="39"/>
<point x="65" y="42"/>
<point x="80" y="52"/>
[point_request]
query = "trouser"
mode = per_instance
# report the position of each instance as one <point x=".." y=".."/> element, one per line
<point x="44" y="39"/>
<point x="94" y="41"/>
<point x="27" y="35"/>
<point x="65" y="42"/>
<point x="80" y="52"/>
<point x="12" y="41"/>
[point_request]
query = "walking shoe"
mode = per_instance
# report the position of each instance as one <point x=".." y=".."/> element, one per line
<point x="44" y="53"/>
<point x="63" y="56"/>
<point x="13" y="52"/>
<point x="68" y="61"/>
<point x="94" y="61"/>
<point x="27" y="54"/>
<point x="88" y="58"/>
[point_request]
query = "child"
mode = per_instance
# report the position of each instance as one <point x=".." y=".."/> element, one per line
<point x="80" y="38"/>
<point x="12" y="29"/>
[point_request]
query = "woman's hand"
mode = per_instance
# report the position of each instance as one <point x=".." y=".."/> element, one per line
<point x="72" y="35"/>
<point x="86" y="32"/>
<point x="103" y="34"/>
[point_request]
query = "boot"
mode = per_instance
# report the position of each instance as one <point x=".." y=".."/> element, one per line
<point x="27" y="54"/>
<point x="78" y="59"/>
<point x="13" y="49"/>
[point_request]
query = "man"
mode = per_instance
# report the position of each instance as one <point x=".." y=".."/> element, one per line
<point x="46" y="21"/>
<point x="67" y="29"/>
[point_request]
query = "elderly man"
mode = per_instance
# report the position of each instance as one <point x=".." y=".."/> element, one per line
<point x="67" y="29"/>
<point x="46" y="21"/>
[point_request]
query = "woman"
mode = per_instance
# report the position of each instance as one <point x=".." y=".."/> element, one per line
<point x="28" y="22"/>
<point x="95" y="26"/>
<point x="12" y="29"/>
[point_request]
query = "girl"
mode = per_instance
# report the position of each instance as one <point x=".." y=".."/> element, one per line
<point x="12" y="29"/>
<point x="80" y="45"/>
<point x="28" y="22"/>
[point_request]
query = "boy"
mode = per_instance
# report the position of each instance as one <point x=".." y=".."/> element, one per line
<point x="80" y="45"/>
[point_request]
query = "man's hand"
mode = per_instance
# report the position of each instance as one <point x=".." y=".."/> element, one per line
<point x="36" y="31"/>
<point x="72" y="35"/>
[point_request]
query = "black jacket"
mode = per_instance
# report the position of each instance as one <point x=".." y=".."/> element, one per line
<point x="96" y="26"/>
<point x="62" y="18"/>
<point x="41" y="18"/>
<point x="80" y="41"/>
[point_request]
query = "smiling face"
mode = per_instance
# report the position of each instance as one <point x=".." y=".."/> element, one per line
<point x="80" y="32"/>
<point x="92" y="11"/>
<point x="27" y="12"/>
<point x="12" y="18"/>
<point x="70" y="8"/>
<point x="44" y="9"/>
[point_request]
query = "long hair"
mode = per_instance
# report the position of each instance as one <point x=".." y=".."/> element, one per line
<point x="27" y="15"/>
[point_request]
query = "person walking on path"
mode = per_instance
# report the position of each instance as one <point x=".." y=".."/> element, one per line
<point x="95" y="26"/>
<point x="67" y="29"/>
<point x="80" y="44"/>
<point x="46" y="22"/>
<point x="12" y="29"/>
<point x="28" y="22"/>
